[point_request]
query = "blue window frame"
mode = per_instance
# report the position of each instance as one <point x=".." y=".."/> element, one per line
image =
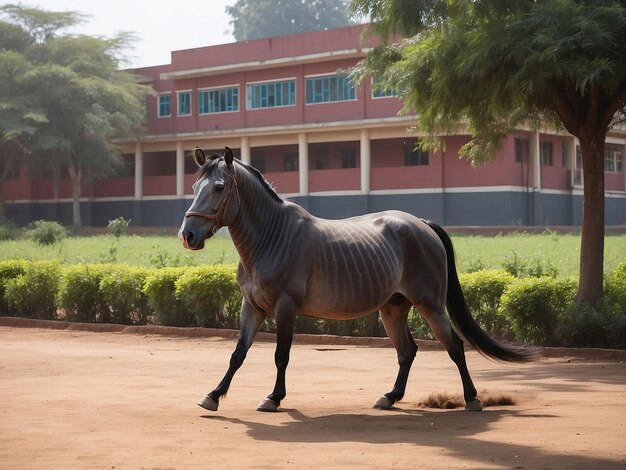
<point x="219" y="100"/>
<point x="271" y="94"/>
<point x="165" y="105"/>
<point x="378" y="91"/>
<point x="184" y="103"/>
<point x="328" y="89"/>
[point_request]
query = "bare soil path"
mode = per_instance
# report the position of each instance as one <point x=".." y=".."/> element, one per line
<point x="74" y="399"/>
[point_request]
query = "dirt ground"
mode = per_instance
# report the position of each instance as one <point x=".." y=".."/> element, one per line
<point x="75" y="399"/>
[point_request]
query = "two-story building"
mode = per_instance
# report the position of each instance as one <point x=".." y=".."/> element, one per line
<point x="285" y="105"/>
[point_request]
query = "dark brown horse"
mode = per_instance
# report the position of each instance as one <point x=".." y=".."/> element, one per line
<point x="294" y="263"/>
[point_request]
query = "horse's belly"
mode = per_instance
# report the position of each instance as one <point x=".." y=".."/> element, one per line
<point x="346" y="300"/>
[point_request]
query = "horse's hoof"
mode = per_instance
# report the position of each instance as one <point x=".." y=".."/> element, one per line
<point x="268" y="405"/>
<point x="208" y="403"/>
<point x="383" y="403"/>
<point x="474" y="405"/>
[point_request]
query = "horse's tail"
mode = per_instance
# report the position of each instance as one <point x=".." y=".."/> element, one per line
<point x="462" y="318"/>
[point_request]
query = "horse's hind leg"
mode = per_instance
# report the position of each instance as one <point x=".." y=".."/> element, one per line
<point x="440" y="324"/>
<point x="251" y="320"/>
<point x="394" y="318"/>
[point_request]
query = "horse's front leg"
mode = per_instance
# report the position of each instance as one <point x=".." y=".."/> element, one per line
<point x="251" y="320"/>
<point x="286" y="312"/>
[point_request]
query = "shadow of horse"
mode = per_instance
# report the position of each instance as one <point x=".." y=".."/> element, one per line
<point x="454" y="431"/>
<point x="395" y="426"/>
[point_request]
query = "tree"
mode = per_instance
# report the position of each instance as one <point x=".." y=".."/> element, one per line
<point x="253" y="19"/>
<point x="88" y="102"/>
<point x="495" y="64"/>
<point x="20" y="113"/>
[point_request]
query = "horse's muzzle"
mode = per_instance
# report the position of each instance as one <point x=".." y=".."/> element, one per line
<point x="190" y="238"/>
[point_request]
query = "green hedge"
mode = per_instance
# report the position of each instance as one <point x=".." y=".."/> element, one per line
<point x="483" y="292"/>
<point x="160" y="288"/>
<point x="79" y="294"/>
<point x="212" y="294"/>
<point x="121" y="289"/>
<point x="33" y="293"/>
<point x="9" y="270"/>
<point x="533" y="306"/>
<point x="538" y="310"/>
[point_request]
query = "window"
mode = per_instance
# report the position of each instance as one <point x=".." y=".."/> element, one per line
<point x="545" y="153"/>
<point x="184" y="103"/>
<point x="521" y="150"/>
<point x="219" y="100"/>
<point x="165" y="105"/>
<point x="329" y="89"/>
<point x="378" y="91"/>
<point x="271" y="94"/>
<point x="415" y="157"/>
<point x="613" y="159"/>
<point x="322" y="162"/>
<point x="348" y="158"/>
<point x="257" y="159"/>
<point x="290" y="162"/>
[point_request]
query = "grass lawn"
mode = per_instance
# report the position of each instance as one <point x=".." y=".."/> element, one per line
<point x="561" y="252"/>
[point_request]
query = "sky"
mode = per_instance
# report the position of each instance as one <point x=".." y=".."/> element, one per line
<point x="160" y="26"/>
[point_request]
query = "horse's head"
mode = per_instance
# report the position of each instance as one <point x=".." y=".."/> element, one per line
<point x="215" y="199"/>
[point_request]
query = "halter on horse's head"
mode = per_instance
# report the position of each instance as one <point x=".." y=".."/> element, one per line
<point x="213" y="205"/>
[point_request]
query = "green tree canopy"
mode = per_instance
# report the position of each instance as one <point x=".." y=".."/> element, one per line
<point x="75" y="98"/>
<point x="496" y="64"/>
<point x="254" y="19"/>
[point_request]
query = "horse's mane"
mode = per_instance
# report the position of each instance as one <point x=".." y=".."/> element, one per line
<point x="259" y="176"/>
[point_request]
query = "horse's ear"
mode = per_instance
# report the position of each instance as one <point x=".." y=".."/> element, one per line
<point x="228" y="156"/>
<point x="199" y="156"/>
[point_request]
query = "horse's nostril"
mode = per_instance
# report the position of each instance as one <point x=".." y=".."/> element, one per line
<point x="189" y="237"/>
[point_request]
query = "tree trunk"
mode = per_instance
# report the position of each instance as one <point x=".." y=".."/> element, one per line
<point x="9" y="161"/>
<point x="75" y="177"/>
<point x="592" y="236"/>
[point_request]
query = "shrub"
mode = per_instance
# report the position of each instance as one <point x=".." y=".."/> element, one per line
<point x="33" y="294"/>
<point x="419" y="326"/>
<point x="79" y="293"/>
<point x="9" y="270"/>
<point x="533" y="305"/>
<point x="118" y="227"/>
<point x="580" y="326"/>
<point x="212" y="294"/>
<point x="160" y="288"/>
<point x="7" y="230"/>
<point x="122" y="290"/>
<point x="535" y="267"/>
<point x="46" y="232"/>
<point x="483" y="291"/>
<point x="615" y="289"/>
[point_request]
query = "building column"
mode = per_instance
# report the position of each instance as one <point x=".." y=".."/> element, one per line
<point x="138" y="171"/>
<point x="180" y="170"/>
<point x="571" y="160"/>
<point x="535" y="213"/>
<point x="303" y="164"/>
<point x="624" y="163"/>
<point x="366" y="161"/>
<point x="535" y="159"/>
<point x="246" y="155"/>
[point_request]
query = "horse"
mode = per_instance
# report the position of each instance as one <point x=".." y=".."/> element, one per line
<point x="292" y="262"/>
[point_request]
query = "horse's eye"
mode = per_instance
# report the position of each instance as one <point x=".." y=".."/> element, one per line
<point x="219" y="187"/>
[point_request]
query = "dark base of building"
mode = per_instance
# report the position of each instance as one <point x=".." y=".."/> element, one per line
<point x="449" y="209"/>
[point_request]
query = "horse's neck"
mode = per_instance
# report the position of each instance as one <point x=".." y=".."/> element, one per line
<point x="258" y="224"/>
